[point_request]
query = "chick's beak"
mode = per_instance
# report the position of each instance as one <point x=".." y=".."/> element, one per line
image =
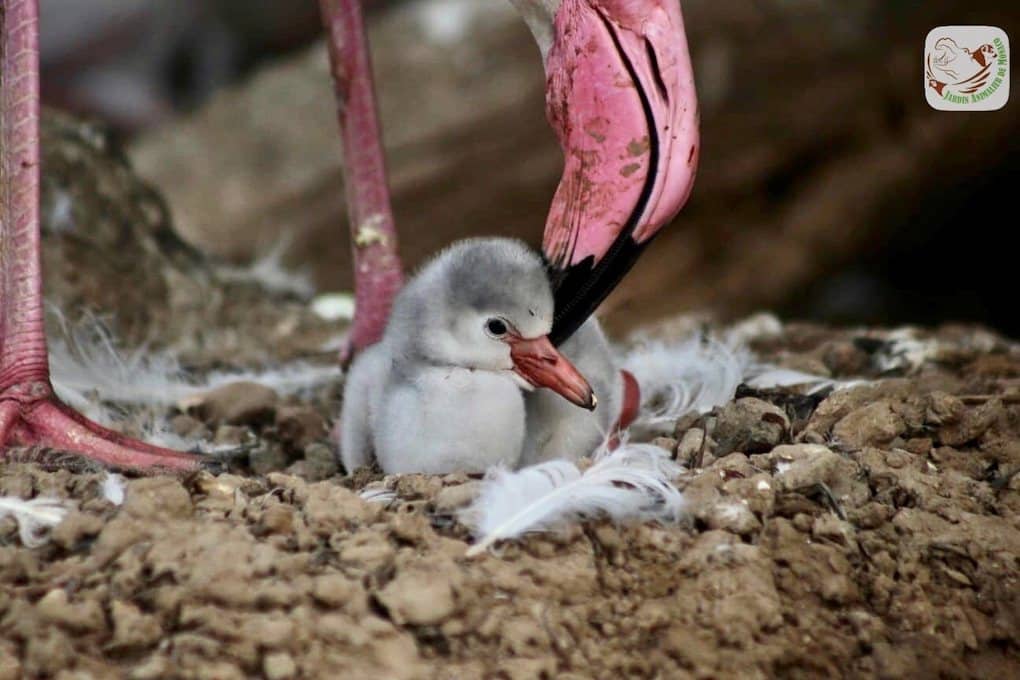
<point x="542" y="365"/>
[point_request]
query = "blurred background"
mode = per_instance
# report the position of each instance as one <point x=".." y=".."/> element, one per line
<point x="828" y="189"/>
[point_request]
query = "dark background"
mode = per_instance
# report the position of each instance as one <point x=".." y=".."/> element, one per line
<point x="828" y="189"/>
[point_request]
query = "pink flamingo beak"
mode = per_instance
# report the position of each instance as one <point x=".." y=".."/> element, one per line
<point x="620" y="96"/>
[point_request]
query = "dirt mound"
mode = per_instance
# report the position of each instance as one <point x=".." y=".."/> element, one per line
<point x="870" y="532"/>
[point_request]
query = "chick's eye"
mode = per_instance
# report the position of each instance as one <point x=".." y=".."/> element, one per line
<point x="496" y="327"/>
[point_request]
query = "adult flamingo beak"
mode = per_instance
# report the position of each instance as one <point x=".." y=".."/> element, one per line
<point x="542" y="365"/>
<point x="620" y="96"/>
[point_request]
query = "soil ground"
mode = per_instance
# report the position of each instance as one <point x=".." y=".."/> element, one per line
<point x="871" y="532"/>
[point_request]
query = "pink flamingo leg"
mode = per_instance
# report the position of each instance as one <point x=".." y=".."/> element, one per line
<point x="377" y="271"/>
<point x="30" y="413"/>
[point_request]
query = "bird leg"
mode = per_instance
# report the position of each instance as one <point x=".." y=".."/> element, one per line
<point x="30" y="412"/>
<point x="377" y="271"/>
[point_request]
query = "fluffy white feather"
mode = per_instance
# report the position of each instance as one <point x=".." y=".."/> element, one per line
<point x="86" y="366"/>
<point x="766" y="376"/>
<point x="700" y="373"/>
<point x="34" y="517"/>
<point x="631" y="483"/>
<point x="691" y="376"/>
<point x="269" y="272"/>
<point x="90" y="373"/>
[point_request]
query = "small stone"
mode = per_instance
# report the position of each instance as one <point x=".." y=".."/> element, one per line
<point x="800" y="466"/>
<point x="238" y="403"/>
<point x="831" y="528"/>
<point x="873" y="425"/>
<point x="843" y="357"/>
<point x="157" y="498"/>
<point x="733" y="515"/>
<point x="420" y="596"/>
<point x="972" y="424"/>
<point x="336" y="590"/>
<point x="688" y="451"/>
<point x="85" y="616"/>
<point x="299" y="426"/>
<point x="267" y="457"/>
<point x="749" y="425"/>
<point x="919" y="445"/>
<point x="331" y="508"/>
<point x="756" y="492"/>
<point x="279" y="666"/>
<point x="186" y="426"/>
<point x="278" y="519"/>
<point x="452" y="498"/>
<point x="320" y="462"/>
<point x="943" y="408"/>
<point x="131" y="628"/>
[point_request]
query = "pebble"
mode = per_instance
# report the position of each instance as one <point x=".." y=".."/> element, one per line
<point x="733" y="515"/>
<point x="420" y="595"/>
<point x="689" y="449"/>
<point x="749" y="425"/>
<point x="300" y="426"/>
<point x="798" y="466"/>
<point x="238" y="403"/>
<point x="321" y="462"/>
<point x="279" y="666"/>
<point x="873" y="425"/>
<point x="157" y="498"/>
<point x="266" y="458"/>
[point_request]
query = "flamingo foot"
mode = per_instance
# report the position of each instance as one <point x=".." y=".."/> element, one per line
<point x="32" y="416"/>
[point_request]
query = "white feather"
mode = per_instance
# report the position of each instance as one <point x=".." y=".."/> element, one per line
<point x="90" y="373"/>
<point x="378" y="495"/>
<point x="767" y="376"/>
<point x="113" y="488"/>
<point x="34" y="517"/>
<point x="691" y="376"/>
<point x="631" y="483"/>
<point x="268" y="272"/>
<point x="698" y="374"/>
<point x="86" y="365"/>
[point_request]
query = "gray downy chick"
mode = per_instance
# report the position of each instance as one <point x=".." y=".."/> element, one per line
<point x="442" y="391"/>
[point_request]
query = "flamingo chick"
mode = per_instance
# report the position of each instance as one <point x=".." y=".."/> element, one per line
<point x="442" y="391"/>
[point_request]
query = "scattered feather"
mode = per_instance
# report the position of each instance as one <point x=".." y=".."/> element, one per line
<point x="90" y="373"/>
<point x="86" y="366"/>
<point x="113" y="488"/>
<point x="631" y="483"/>
<point x="702" y="372"/>
<point x="35" y="517"/>
<point x="378" y="495"/>
<point x="269" y="272"/>
<point x="691" y="376"/>
<point x="334" y="306"/>
<point x="765" y="376"/>
<point x="905" y="352"/>
<point x="754" y="327"/>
